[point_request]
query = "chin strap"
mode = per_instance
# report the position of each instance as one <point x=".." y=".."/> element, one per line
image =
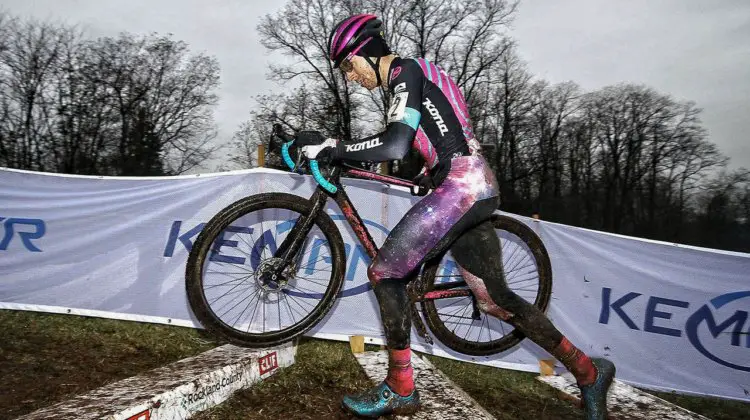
<point x="376" y="66"/>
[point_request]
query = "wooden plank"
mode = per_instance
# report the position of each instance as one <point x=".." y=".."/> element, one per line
<point x="357" y="344"/>
<point x="261" y="155"/>
<point x="175" y="391"/>
<point x="441" y="398"/>
<point x="624" y="401"/>
<point x="547" y="367"/>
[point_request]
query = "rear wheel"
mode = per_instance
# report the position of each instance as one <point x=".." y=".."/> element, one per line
<point x="453" y="315"/>
<point x="239" y="290"/>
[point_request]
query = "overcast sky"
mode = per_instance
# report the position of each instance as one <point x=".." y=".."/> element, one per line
<point x="695" y="50"/>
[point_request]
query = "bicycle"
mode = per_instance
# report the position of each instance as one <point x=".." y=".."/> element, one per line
<point x="278" y="277"/>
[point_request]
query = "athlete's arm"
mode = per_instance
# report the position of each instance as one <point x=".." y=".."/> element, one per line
<point x="403" y="119"/>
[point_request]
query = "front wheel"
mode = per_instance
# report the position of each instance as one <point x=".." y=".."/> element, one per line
<point x="454" y="316"/>
<point x="242" y="292"/>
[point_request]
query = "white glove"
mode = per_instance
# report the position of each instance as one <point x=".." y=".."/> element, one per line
<point x="311" y="152"/>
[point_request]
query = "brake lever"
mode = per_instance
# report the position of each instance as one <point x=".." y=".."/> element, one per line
<point x="300" y="162"/>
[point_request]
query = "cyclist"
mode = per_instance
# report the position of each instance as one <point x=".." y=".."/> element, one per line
<point x="428" y="112"/>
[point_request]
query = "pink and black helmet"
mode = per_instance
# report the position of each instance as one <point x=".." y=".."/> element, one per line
<point x="360" y="34"/>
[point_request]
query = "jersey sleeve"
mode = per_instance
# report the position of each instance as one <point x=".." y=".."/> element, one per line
<point x="403" y="118"/>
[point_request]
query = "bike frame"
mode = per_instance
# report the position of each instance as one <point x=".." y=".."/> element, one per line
<point x="291" y="244"/>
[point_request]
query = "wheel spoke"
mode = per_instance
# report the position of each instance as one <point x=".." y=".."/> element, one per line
<point x="452" y="320"/>
<point x="237" y="296"/>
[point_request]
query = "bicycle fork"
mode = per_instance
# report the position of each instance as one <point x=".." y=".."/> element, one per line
<point x="293" y="242"/>
<point x="291" y="245"/>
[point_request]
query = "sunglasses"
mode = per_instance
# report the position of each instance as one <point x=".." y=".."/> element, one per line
<point x="346" y="66"/>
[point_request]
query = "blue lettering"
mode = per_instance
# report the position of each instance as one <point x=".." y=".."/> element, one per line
<point x="705" y="314"/>
<point x="449" y="269"/>
<point x="652" y="313"/>
<point x="734" y="326"/>
<point x="174" y="235"/>
<point x="738" y="319"/>
<point x="187" y="241"/>
<point x="265" y="240"/>
<point x="221" y="241"/>
<point x="359" y="254"/>
<point x="314" y="258"/>
<point x="617" y="307"/>
<point x="26" y="237"/>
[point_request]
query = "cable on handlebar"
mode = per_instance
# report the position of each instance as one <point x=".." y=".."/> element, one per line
<point x="315" y="169"/>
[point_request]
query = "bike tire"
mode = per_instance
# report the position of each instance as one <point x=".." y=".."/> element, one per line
<point x="217" y="224"/>
<point x="544" y="294"/>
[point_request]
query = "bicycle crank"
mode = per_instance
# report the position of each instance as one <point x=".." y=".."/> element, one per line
<point x="476" y="314"/>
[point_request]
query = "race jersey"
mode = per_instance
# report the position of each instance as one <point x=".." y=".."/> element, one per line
<point x="427" y="111"/>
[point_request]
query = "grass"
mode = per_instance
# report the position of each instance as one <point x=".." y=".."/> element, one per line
<point x="310" y="389"/>
<point x="45" y="358"/>
<point x="713" y="408"/>
<point x="507" y="394"/>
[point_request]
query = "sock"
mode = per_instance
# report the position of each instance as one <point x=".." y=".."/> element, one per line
<point x="400" y="373"/>
<point x="576" y="362"/>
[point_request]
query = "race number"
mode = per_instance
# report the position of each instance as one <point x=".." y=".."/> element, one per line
<point x="398" y="105"/>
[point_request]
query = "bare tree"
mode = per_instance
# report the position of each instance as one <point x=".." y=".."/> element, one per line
<point x="555" y="106"/>
<point x="27" y="63"/>
<point x="162" y="100"/>
<point x="721" y="207"/>
<point x="504" y="125"/>
<point x="83" y="117"/>
<point x="245" y="142"/>
<point x="300" y="31"/>
<point x="119" y="106"/>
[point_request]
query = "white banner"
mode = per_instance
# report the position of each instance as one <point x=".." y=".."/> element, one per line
<point x="671" y="317"/>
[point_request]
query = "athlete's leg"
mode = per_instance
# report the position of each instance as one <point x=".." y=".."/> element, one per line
<point x="478" y="254"/>
<point x="389" y="280"/>
<point x="465" y="198"/>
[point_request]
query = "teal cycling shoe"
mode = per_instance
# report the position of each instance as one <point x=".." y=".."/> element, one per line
<point x="594" y="396"/>
<point x="381" y="400"/>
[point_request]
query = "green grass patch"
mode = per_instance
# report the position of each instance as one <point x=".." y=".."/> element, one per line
<point x="507" y="394"/>
<point x="45" y="358"/>
<point x="312" y="388"/>
<point x="713" y="408"/>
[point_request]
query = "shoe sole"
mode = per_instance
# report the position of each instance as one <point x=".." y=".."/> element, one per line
<point x="608" y="385"/>
<point x="397" y="412"/>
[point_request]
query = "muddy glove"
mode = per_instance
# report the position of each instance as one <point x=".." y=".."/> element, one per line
<point x="309" y="138"/>
<point x="422" y="185"/>
<point x="322" y="152"/>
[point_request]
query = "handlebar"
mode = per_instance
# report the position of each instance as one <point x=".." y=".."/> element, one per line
<point x="314" y="168"/>
<point x="278" y="131"/>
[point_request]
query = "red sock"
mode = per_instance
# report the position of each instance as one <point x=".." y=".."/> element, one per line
<point x="400" y="373"/>
<point x="576" y="362"/>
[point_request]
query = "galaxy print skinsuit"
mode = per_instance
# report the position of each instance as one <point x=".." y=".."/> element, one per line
<point x="428" y="112"/>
